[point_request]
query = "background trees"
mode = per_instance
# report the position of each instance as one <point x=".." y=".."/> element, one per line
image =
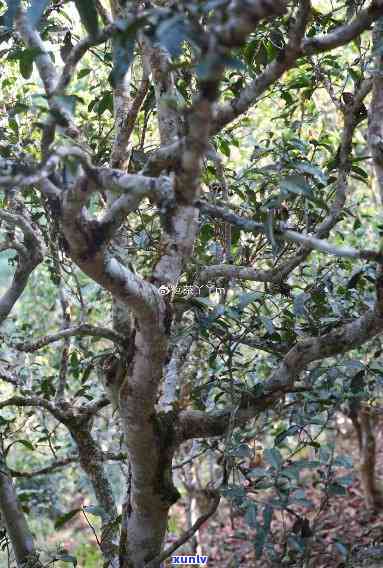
<point x="191" y="219"/>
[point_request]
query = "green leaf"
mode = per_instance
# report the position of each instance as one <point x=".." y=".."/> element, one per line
<point x="273" y="457"/>
<point x="260" y="540"/>
<point x="312" y="170"/>
<point x="360" y="171"/>
<point x="206" y="233"/>
<point x="26" y="64"/>
<point x="224" y="147"/>
<point x="35" y="11"/>
<point x="27" y="444"/>
<point x="60" y="521"/>
<point x="5" y="421"/>
<point x="67" y="558"/>
<point x="296" y="184"/>
<point x="337" y="489"/>
<point x="88" y="14"/>
<point x="83" y="73"/>
<point x="234" y="492"/>
<point x="106" y="103"/>
<point x="20" y="108"/>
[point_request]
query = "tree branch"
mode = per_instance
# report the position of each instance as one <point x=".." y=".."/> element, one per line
<point x="30" y="255"/>
<point x="375" y="127"/>
<point x="15" y="521"/>
<point x="82" y="330"/>
<point x="58" y="464"/>
<point x="47" y="71"/>
<point x="37" y="402"/>
<point x="310" y="242"/>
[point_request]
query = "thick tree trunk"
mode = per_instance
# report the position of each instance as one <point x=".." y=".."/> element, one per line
<point x="372" y="492"/>
<point x="15" y="521"/>
<point x="144" y="534"/>
<point x="150" y="442"/>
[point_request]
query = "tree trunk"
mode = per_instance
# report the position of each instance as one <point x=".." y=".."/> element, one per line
<point x="144" y="534"/>
<point x="372" y="492"/>
<point x="15" y="521"/>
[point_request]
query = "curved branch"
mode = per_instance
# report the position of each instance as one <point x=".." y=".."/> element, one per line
<point x="47" y="72"/>
<point x="37" y="402"/>
<point x="234" y="272"/>
<point x="81" y="330"/>
<point x="310" y="242"/>
<point x="346" y="33"/>
<point x="27" y="261"/>
<point x="77" y="53"/>
<point x="87" y="237"/>
<point x="44" y="470"/>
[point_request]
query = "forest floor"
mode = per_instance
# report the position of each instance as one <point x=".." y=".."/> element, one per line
<point x="343" y="527"/>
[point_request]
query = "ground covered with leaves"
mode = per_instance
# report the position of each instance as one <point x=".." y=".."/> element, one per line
<point x="346" y="533"/>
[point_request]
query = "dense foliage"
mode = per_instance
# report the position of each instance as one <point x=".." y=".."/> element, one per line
<point x="191" y="282"/>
